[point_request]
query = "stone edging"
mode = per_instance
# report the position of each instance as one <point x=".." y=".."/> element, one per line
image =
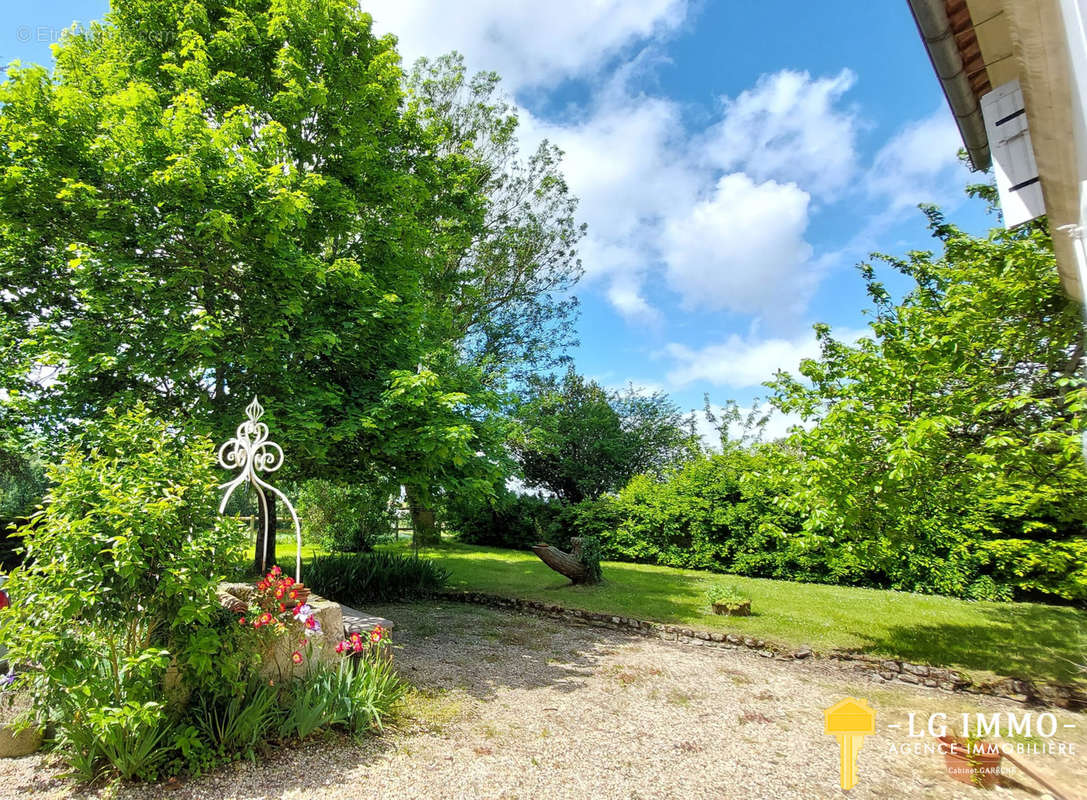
<point x="882" y="669"/>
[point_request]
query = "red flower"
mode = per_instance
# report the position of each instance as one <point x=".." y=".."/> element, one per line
<point x="294" y="594"/>
<point x="357" y="647"/>
<point x="355" y="636"/>
<point x="375" y="634"/>
<point x="296" y="657"/>
<point x="276" y="570"/>
<point x="279" y="593"/>
<point x="311" y="623"/>
<point x="341" y="647"/>
<point x="241" y="620"/>
<point x="282" y="607"/>
<point x="265" y="618"/>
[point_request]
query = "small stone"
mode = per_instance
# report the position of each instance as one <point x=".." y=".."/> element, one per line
<point x="891" y="666"/>
<point x="908" y="678"/>
<point x="704" y="635"/>
<point x="804" y="652"/>
<point x="717" y="637"/>
<point x="732" y="637"/>
<point x="750" y="642"/>
<point x="915" y="669"/>
<point x="766" y="653"/>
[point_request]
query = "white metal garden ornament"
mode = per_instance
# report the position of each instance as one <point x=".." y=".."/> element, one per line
<point x="252" y="451"/>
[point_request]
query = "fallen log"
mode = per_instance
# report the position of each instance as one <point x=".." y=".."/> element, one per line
<point x="568" y="564"/>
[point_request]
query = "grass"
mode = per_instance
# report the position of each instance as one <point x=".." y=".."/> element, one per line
<point x="1026" y="640"/>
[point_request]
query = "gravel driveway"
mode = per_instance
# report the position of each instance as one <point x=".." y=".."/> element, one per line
<point x="510" y="706"/>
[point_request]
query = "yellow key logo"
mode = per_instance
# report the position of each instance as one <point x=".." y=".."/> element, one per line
<point x="849" y="720"/>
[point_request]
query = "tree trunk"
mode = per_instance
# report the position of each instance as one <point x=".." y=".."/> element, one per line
<point x="265" y="546"/>
<point x="568" y="564"/>
<point x="424" y="530"/>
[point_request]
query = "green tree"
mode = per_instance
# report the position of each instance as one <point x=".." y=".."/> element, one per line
<point x="578" y="440"/>
<point x="506" y="288"/>
<point x="207" y="200"/>
<point x="952" y="432"/>
<point x="436" y="437"/>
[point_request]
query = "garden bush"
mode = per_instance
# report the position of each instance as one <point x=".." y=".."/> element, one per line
<point x="724" y="513"/>
<point x="344" y="518"/>
<point x="118" y="590"/>
<point x="508" y="520"/>
<point x="359" y="578"/>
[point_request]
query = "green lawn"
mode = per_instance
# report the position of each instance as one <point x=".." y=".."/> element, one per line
<point x="1017" y="639"/>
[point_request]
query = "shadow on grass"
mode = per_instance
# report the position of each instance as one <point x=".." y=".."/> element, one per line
<point x="1032" y="644"/>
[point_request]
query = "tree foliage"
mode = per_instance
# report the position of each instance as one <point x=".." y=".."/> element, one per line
<point x="506" y="290"/>
<point x="204" y="201"/>
<point x="956" y="421"/>
<point x="578" y="440"/>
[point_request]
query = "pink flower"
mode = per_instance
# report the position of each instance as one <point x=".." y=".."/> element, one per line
<point x="341" y="647"/>
<point x="296" y="657"/>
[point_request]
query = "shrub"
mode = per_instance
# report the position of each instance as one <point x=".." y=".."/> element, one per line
<point x="344" y="518"/>
<point x="1056" y="569"/>
<point x="509" y="520"/>
<point x="374" y="577"/>
<point x="724" y="595"/>
<point x="590" y="557"/>
<point x="718" y="513"/>
<point x="118" y="590"/>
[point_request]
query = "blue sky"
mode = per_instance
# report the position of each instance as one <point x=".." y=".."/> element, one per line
<point x="733" y="162"/>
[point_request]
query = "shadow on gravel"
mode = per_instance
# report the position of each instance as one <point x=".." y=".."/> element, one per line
<point x="478" y="650"/>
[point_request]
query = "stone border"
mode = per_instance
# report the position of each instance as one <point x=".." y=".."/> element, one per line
<point x="881" y="669"/>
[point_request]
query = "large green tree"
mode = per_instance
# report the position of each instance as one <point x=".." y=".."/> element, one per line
<point x="579" y="440"/>
<point x="208" y="200"/>
<point x="948" y="440"/>
<point x="506" y="291"/>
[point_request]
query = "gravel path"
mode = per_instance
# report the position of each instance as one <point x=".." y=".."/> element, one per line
<point x="510" y="706"/>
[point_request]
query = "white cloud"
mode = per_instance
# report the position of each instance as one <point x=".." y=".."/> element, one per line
<point x="740" y="362"/>
<point x="628" y="165"/>
<point x="789" y="127"/>
<point x="528" y="44"/>
<point x="743" y="249"/>
<point x="626" y="295"/>
<point x="920" y="164"/>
